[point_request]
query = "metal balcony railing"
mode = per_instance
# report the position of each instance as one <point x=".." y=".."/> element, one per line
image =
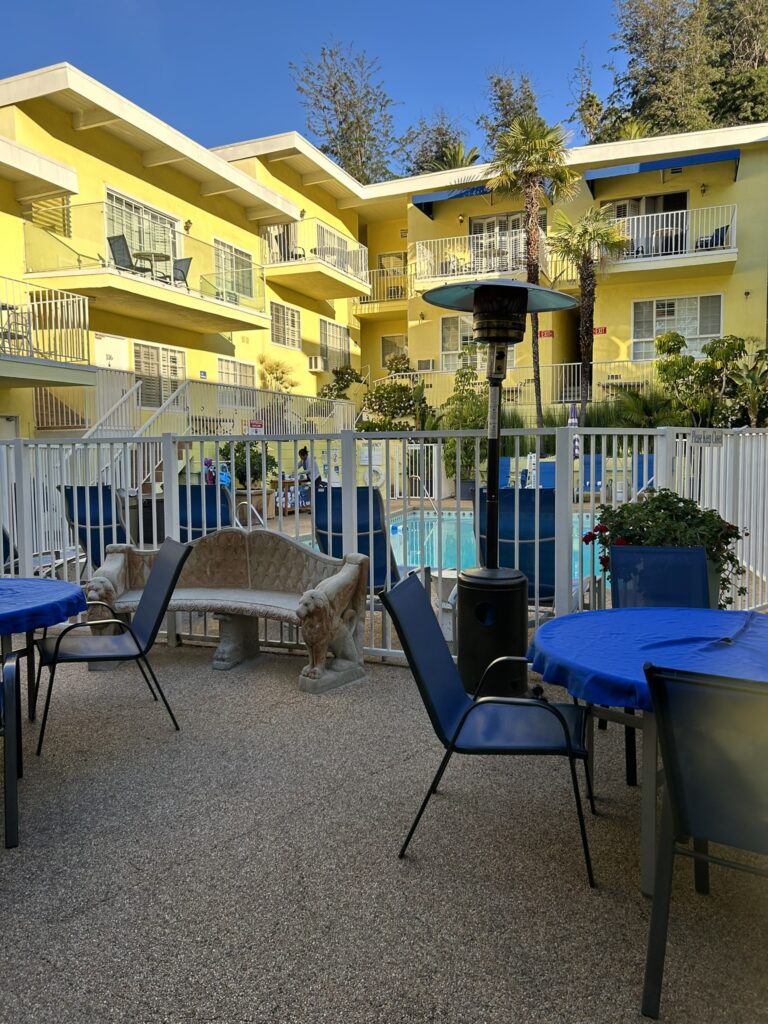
<point x="42" y="323"/>
<point x="387" y="286"/>
<point x="680" y="233"/>
<point x="312" y="240"/>
<point x="147" y="247"/>
<point x="470" y="255"/>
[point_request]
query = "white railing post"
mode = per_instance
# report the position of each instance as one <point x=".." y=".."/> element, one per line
<point x="348" y="491"/>
<point x="24" y="522"/>
<point x="170" y="473"/>
<point x="664" y="462"/>
<point x="563" y="521"/>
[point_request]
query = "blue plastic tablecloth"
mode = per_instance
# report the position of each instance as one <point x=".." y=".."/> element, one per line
<point x="599" y="656"/>
<point x="31" y="603"/>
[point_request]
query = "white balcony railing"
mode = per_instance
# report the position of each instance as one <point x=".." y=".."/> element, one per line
<point x="560" y="382"/>
<point x="42" y="323"/>
<point x="311" y="240"/>
<point x="680" y="233"/>
<point x="386" y="286"/>
<point x="470" y="255"/>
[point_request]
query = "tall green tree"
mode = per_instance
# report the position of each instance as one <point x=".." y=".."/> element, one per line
<point x="455" y="156"/>
<point x="348" y="110"/>
<point x="741" y="95"/>
<point x="588" y="243"/>
<point x="588" y="110"/>
<point x="424" y="144"/>
<point x="510" y="97"/>
<point x="671" y="63"/>
<point x="530" y="163"/>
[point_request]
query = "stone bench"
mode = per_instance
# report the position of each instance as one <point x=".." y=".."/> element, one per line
<point x="241" y="576"/>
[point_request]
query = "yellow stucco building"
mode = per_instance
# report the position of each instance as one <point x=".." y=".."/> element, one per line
<point x="136" y="264"/>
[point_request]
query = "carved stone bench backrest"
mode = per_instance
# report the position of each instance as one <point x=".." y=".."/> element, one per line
<point x="258" y="560"/>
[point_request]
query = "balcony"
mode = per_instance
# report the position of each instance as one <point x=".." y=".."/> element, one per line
<point x="313" y="258"/>
<point x="141" y="266"/>
<point x="560" y="382"/>
<point x="655" y="241"/>
<point x="43" y="336"/>
<point x="470" y="256"/>
<point x="390" y="290"/>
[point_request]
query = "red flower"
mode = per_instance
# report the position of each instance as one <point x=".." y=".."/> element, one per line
<point x="601" y="528"/>
<point x="621" y="540"/>
<point x="604" y="561"/>
<point x="589" y="538"/>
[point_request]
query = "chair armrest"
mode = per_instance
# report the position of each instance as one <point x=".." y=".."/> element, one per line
<point x="102" y="604"/>
<point x="497" y="661"/>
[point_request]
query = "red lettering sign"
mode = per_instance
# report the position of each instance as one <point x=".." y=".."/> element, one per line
<point x="546" y="334"/>
<point x="599" y="330"/>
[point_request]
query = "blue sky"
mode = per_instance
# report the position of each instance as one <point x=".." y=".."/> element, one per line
<point x="218" y="70"/>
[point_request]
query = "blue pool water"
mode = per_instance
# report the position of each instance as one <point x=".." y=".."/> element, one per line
<point x="440" y="546"/>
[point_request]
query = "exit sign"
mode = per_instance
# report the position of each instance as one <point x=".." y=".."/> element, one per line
<point x="599" y="330"/>
<point x="546" y="334"/>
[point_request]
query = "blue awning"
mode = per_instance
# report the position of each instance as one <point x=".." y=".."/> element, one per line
<point x="661" y="165"/>
<point x="426" y="202"/>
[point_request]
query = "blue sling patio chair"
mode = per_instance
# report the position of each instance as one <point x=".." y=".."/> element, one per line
<point x="203" y="509"/>
<point x="517" y="536"/>
<point x="132" y="643"/>
<point x="713" y="734"/>
<point x="368" y="529"/>
<point x="95" y="516"/>
<point x="651" y="577"/>
<point x="477" y="724"/>
<point x="545" y="474"/>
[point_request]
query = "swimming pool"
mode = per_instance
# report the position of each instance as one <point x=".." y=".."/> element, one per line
<point x="435" y="539"/>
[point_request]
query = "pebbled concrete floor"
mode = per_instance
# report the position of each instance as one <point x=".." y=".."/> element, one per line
<point x="245" y="869"/>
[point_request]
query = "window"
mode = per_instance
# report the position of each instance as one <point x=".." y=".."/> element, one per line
<point x="393" y="345"/>
<point x="144" y="229"/>
<point x="395" y="263"/>
<point x="334" y="344"/>
<point x="161" y="371"/>
<point x="456" y="345"/>
<point x="232" y="371"/>
<point x="234" y="271"/>
<point x="697" y="317"/>
<point x="286" y="325"/>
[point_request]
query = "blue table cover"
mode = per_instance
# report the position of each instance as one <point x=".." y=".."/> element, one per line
<point x="31" y="603"/>
<point x="599" y="656"/>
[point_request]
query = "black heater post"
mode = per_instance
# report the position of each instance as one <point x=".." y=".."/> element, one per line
<point x="493" y="601"/>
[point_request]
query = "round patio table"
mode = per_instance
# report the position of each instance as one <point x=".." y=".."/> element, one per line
<point x="599" y="656"/>
<point x="30" y="603"/>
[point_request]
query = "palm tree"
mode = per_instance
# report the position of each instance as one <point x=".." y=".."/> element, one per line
<point x="530" y="162"/>
<point x="589" y="244"/>
<point x="751" y="378"/>
<point x="454" y="155"/>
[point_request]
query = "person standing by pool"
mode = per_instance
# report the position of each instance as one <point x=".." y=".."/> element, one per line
<point x="308" y="467"/>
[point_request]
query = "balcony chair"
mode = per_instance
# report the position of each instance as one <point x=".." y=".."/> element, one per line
<point x="203" y="509"/>
<point x="122" y="259"/>
<point x="95" y="517"/>
<point x="372" y="536"/>
<point x="717" y="240"/>
<point x="714" y="749"/>
<point x="517" y="536"/>
<point x="480" y="725"/>
<point x="132" y="644"/>
<point x="10" y="730"/>
<point x="181" y="270"/>
<point x="650" y="577"/>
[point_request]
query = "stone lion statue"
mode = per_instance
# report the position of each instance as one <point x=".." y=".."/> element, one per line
<point x="331" y="617"/>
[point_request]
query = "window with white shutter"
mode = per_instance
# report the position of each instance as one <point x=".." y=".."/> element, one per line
<point x="334" y="344"/>
<point x="144" y="229"/>
<point x="393" y="345"/>
<point x="234" y="271"/>
<point x="161" y="371"/>
<point x="697" y="317"/>
<point x="232" y="371"/>
<point x="286" y="325"/>
<point x="456" y="347"/>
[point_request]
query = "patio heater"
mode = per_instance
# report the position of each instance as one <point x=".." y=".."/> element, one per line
<point x="493" y="601"/>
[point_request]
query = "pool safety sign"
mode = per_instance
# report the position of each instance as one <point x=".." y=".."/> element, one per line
<point x="256" y="427"/>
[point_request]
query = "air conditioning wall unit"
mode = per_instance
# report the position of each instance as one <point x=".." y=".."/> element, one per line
<point x="425" y="364"/>
<point x="317" y="364"/>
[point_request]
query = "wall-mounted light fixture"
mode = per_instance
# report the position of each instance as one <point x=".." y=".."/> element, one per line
<point x="422" y="315"/>
<point x="746" y="295"/>
<point x="302" y="214"/>
<point x="461" y="218"/>
<point x="703" y="189"/>
<point x="187" y="226"/>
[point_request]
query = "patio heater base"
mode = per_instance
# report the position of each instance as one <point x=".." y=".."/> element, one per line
<point x="492" y="622"/>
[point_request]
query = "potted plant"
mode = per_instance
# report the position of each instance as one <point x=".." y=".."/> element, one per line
<point x="664" y="519"/>
<point x="257" y="466"/>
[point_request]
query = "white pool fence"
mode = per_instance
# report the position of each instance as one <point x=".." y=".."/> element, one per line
<point x="152" y="486"/>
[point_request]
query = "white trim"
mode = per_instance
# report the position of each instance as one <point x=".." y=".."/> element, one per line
<point x="670" y="298"/>
<point x="381" y="345"/>
<point x="285" y="344"/>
